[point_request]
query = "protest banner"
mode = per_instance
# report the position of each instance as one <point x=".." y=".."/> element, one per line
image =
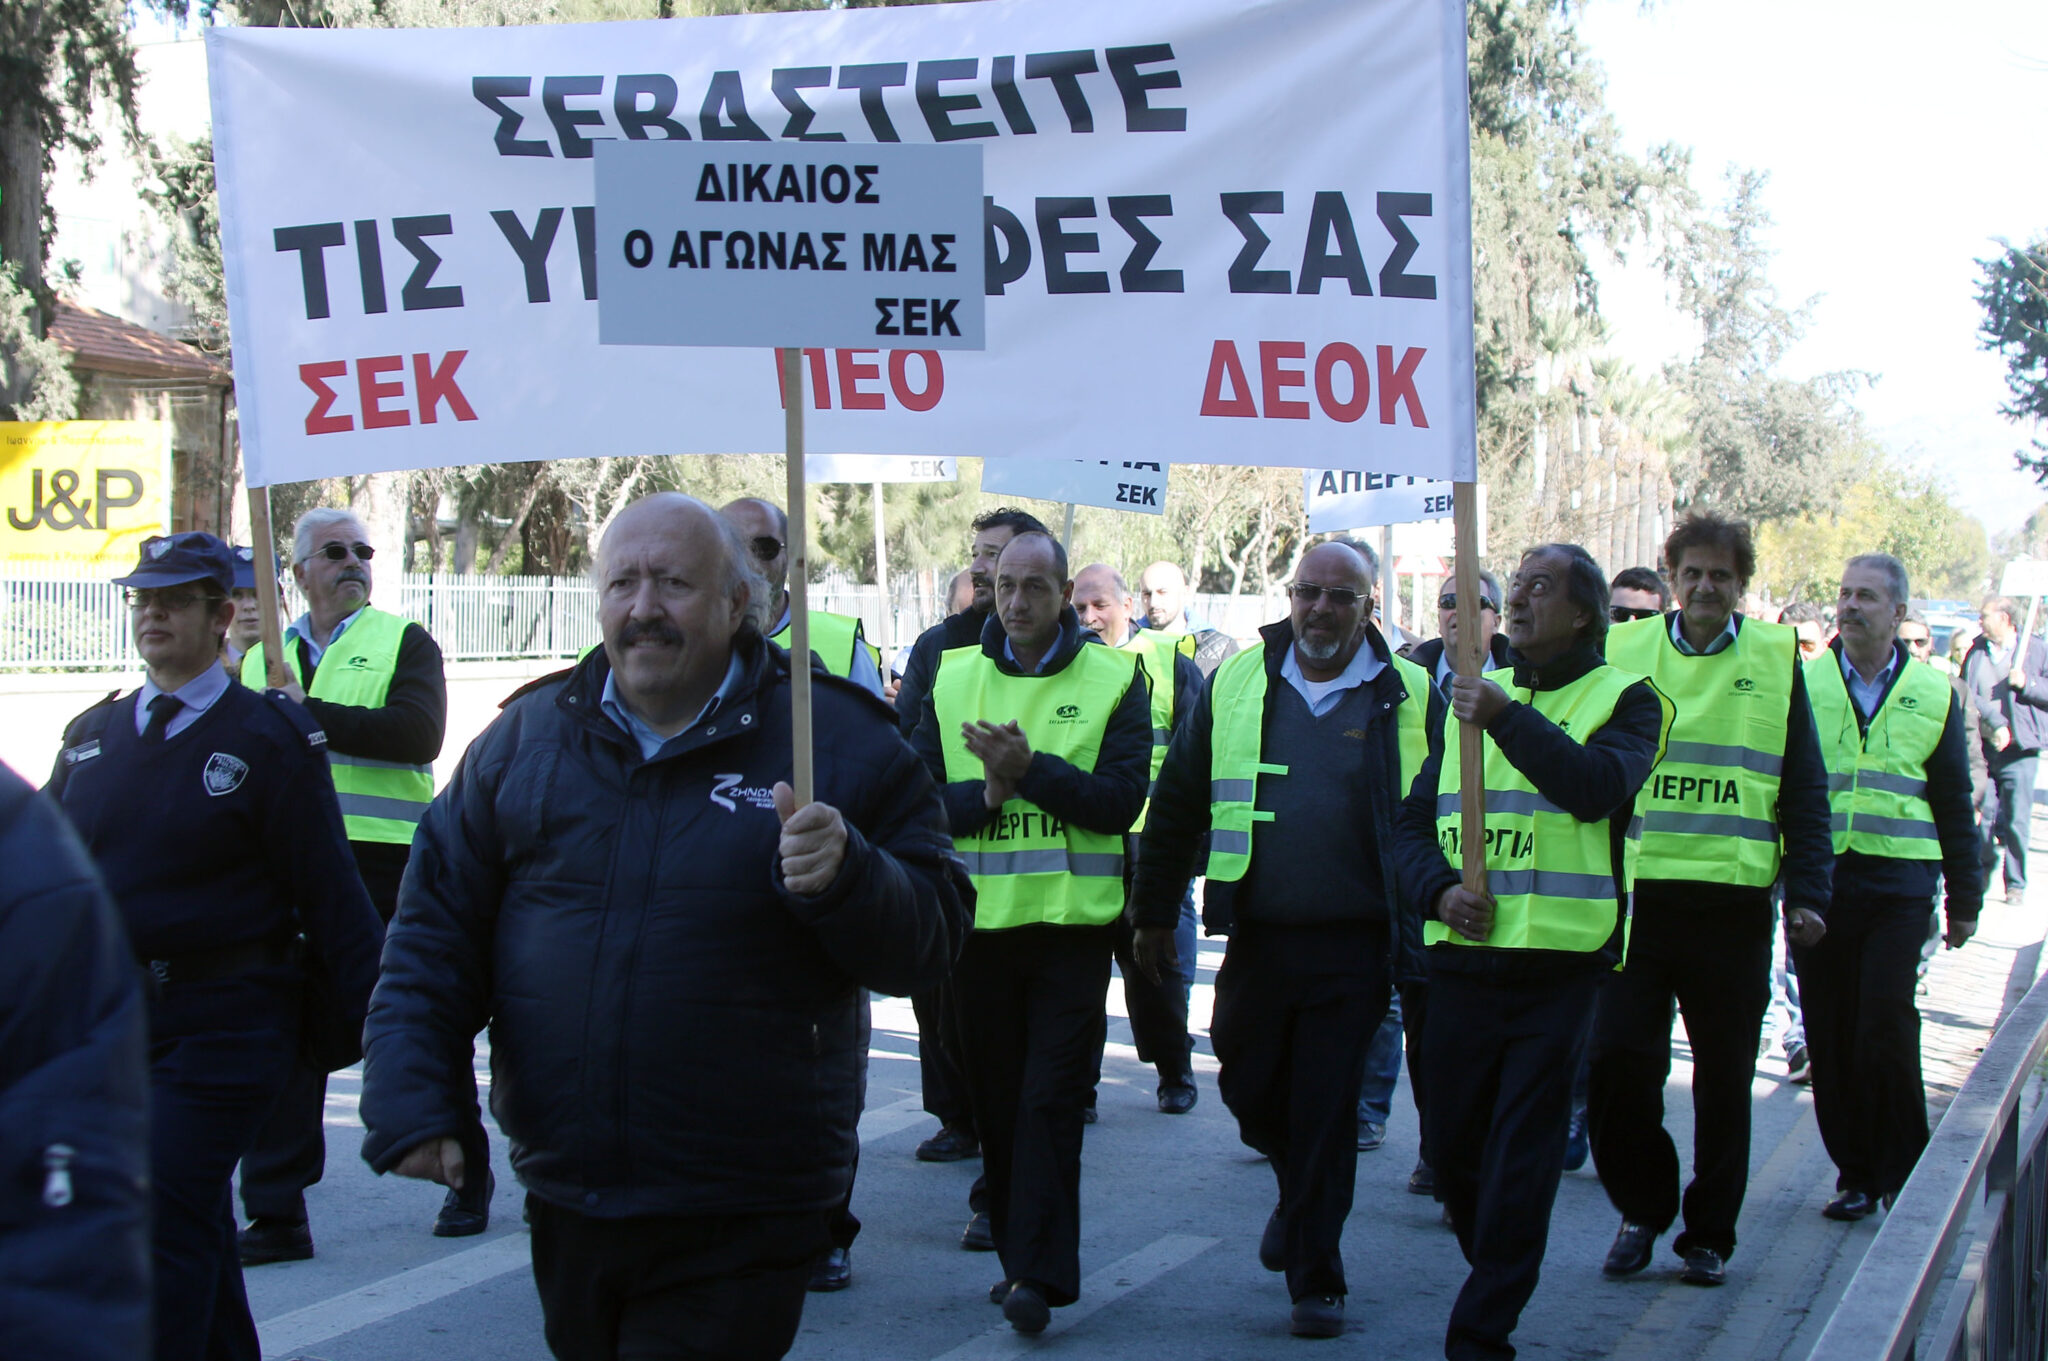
<point x="1133" y="486"/>
<point x="1238" y="233"/>
<point x="873" y="468"/>
<point x="83" y="492"/>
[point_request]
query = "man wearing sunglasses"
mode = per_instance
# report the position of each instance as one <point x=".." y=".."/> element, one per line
<point x="374" y="682"/>
<point x="1434" y="655"/>
<point x="836" y="639"/>
<point x="1293" y="761"/>
<point x="1742" y="777"/>
<point x="1636" y="593"/>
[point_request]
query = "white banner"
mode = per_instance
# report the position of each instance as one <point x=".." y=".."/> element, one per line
<point x="871" y="468"/>
<point x="1215" y="232"/>
<point x="1134" y="486"/>
<point x="1338" y="500"/>
<point x="2024" y="577"/>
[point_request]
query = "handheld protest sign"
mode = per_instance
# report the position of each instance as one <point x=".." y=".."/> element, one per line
<point x="274" y="673"/>
<point x="1470" y="662"/>
<point x="801" y="245"/>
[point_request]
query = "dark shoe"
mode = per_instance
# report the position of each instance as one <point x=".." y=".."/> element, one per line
<point x="999" y="1292"/>
<point x="1371" y="1134"/>
<point x="949" y="1145"/>
<point x="1851" y="1206"/>
<point x="1026" y="1308"/>
<point x="2015" y="897"/>
<point x="1318" y="1316"/>
<point x="1177" y="1098"/>
<point x="978" y="1236"/>
<point x="1422" y="1181"/>
<point x="1088" y="1116"/>
<point x="1798" y="1066"/>
<point x="1576" y="1144"/>
<point x="1273" y="1243"/>
<point x="1703" y="1266"/>
<point x="467" y="1212"/>
<point x="275" y="1240"/>
<point x="833" y="1271"/>
<point x="1631" y="1250"/>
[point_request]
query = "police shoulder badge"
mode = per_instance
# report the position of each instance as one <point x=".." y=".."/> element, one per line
<point x="224" y="773"/>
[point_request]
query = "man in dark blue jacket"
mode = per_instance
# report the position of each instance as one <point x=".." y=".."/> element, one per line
<point x="669" y="953"/>
<point x="74" y="1100"/>
<point x="2007" y="676"/>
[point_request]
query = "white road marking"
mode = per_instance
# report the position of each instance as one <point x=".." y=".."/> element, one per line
<point x="288" y="1334"/>
<point x="1100" y="1290"/>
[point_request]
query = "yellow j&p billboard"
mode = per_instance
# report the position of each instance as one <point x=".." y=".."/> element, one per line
<point x="86" y="492"/>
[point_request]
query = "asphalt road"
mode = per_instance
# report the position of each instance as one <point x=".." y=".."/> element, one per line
<point x="1171" y="1212"/>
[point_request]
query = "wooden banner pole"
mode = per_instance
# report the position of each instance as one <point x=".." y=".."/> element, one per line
<point x="799" y="577"/>
<point x="264" y="543"/>
<point x="1067" y="532"/>
<point x="882" y="639"/>
<point x="1469" y="662"/>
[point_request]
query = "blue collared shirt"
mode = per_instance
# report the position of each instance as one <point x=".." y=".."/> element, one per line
<point x="865" y="673"/>
<point x="198" y="695"/>
<point x="637" y="728"/>
<point x="316" y="648"/>
<point x="1867" y="694"/>
<point x="1721" y="642"/>
<point x="1010" y="655"/>
<point x="1323" y="696"/>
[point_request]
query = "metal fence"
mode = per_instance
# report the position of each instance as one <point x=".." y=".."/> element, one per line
<point x="66" y="622"/>
<point x="1949" y="1276"/>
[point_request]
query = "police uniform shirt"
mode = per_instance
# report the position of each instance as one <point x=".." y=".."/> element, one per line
<point x="196" y="696"/>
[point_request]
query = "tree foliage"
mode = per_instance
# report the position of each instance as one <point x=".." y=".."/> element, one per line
<point x="2013" y="291"/>
<point x="1884" y="509"/>
<point x="35" y="382"/>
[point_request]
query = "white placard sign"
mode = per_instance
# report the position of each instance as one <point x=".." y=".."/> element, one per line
<point x="871" y="468"/>
<point x="1225" y="232"/>
<point x="1135" y="486"/>
<point x="840" y="245"/>
<point x="2024" y="577"/>
<point x="1339" y="500"/>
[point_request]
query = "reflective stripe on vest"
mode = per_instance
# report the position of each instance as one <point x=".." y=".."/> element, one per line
<point x="1156" y="655"/>
<point x="1710" y="809"/>
<point x="1877" y="779"/>
<point x="833" y="638"/>
<point x="1237" y="703"/>
<point x="1028" y="866"/>
<point x="1553" y="878"/>
<point x="380" y="800"/>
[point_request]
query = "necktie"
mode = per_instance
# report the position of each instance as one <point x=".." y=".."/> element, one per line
<point x="162" y="710"/>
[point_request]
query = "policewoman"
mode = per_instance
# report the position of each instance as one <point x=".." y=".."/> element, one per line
<point x="1042" y="741"/>
<point x="1513" y="971"/>
<point x="208" y="810"/>
<point x="1897" y="751"/>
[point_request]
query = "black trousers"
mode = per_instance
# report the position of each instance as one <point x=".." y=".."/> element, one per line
<point x="1500" y="1053"/>
<point x="1158" y="1013"/>
<point x="1414" y="1016"/>
<point x="1030" y="1007"/>
<point x="2012" y="784"/>
<point x="1291" y="1027"/>
<point x="938" y="1056"/>
<point x="290" y="1153"/>
<point x="1715" y="962"/>
<point x="218" y="1052"/>
<point x="1863" y="1033"/>
<point x="716" y="1287"/>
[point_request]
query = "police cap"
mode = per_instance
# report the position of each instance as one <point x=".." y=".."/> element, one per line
<point x="175" y="559"/>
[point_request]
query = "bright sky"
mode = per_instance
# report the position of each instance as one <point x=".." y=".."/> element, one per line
<point x="1900" y="140"/>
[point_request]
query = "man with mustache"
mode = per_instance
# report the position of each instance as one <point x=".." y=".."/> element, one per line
<point x="938" y="1063"/>
<point x="373" y="681"/>
<point x="1293" y="763"/>
<point x="1899" y="777"/>
<point x="1742" y="778"/>
<point x="1041" y="739"/>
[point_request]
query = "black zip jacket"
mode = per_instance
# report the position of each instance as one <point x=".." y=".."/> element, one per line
<point x="1949" y="794"/>
<point x="1170" y="849"/>
<point x="673" y="1032"/>
<point x="1593" y="782"/>
<point x="1105" y="799"/>
<point x="955" y="630"/>
<point x="411" y="723"/>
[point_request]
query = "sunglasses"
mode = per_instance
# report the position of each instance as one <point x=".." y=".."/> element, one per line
<point x="1917" y="642"/>
<point x="1449" y="601"/>
<point x="765" y="547"/>
<point x="335" y="552"/>
<point x="1622" y="614"/>
<point x="1306" y="593"/>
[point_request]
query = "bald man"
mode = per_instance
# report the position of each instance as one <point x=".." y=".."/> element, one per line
<point x="1163" y="591"/>
<point x="837" y="640"/>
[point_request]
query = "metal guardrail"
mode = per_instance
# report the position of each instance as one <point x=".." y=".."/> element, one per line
<point x="1997" y="1305"/>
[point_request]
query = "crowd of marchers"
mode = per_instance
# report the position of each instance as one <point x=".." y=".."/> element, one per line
<point x="239" y="879"/>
